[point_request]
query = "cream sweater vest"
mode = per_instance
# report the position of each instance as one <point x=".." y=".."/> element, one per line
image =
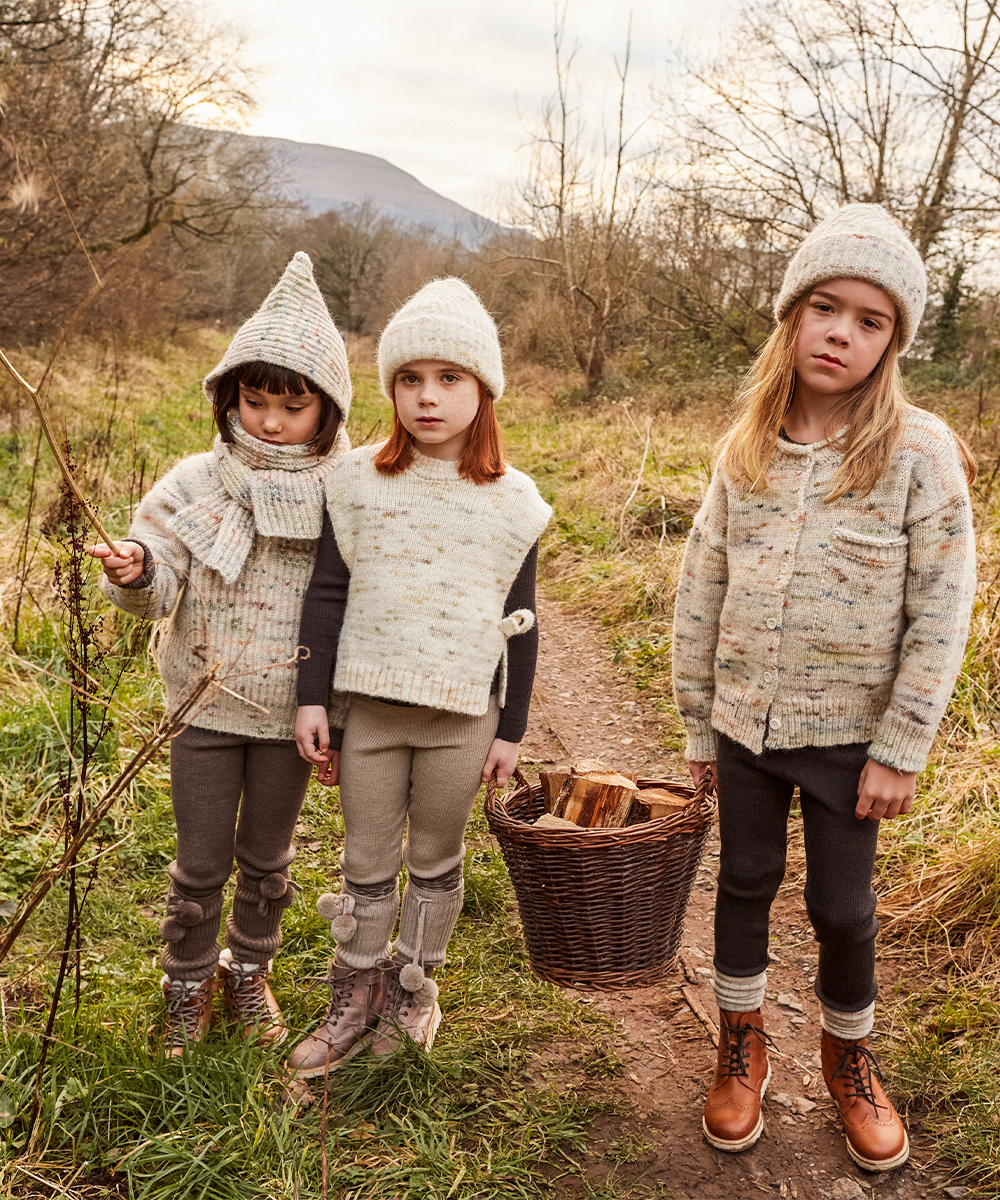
<point x="432" y="557"/>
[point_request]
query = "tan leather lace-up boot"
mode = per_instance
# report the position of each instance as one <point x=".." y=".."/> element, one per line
<point x="733" y="1120"/>
<point x="351" y="1016"/>
<point x="189" y="1013"/>
<point x="876" y="1139"/>
<point x="250" y="1000"/>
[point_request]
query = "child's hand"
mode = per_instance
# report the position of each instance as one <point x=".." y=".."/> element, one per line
<point x="502" y="756"/>
<point x="121" y="568"/>
<point x="699" y="770"/>
<point x="312" y="734"/>
<point x="884" y="792"/>
<point x="329" y="774"/>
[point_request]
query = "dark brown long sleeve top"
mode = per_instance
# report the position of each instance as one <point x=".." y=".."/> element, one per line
<point x="323" y="617"/>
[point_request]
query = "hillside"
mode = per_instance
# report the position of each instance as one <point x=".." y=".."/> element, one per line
<point x="327" y="177"/>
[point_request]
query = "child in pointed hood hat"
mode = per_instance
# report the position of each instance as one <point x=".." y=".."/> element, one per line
<point x="224" y="545"/>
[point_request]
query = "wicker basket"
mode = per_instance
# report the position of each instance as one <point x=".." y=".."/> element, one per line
<point x="602" y="909"/>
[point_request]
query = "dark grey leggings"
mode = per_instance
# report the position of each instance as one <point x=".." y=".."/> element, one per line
<point x="755" y="793"/>
<point x="233" y="797"/>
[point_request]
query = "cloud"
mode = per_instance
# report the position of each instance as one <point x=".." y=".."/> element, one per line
<point x="441" y="88"/>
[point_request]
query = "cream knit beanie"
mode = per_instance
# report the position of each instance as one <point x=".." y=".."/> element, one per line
<point x="445" y="320"/>
<point x="293" y="329"/>
<point x="860" y="241"/>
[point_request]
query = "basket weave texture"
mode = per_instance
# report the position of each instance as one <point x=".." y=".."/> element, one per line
<point x="602" y="909"/>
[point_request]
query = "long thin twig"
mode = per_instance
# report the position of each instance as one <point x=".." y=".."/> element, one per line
<point x="50" y="437"/>
<point x="41" y="887"/>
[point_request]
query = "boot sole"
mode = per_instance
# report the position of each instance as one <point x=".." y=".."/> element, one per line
<point x="314" y="1072"/>
<point x="887" y="1164"/>
<point x="734" y="1147"/>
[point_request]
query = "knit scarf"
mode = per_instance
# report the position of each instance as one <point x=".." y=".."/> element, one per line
<point x="276" y="491"/>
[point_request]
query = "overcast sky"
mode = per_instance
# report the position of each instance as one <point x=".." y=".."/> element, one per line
<point x="443" y="88"/>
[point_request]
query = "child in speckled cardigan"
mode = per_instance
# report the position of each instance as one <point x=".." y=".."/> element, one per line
<point x="821" y="620"/>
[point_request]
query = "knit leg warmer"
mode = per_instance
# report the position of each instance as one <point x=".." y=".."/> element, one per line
<point x="253" y="927"/>
<point x="190" y="933"/>
<point x="427" y="922"/>
<point x="361" y="925"/>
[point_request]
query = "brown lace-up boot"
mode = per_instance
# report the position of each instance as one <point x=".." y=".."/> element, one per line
<point x="733" y="1120"/>
<point x="355" y="998"/>
<point x="249" y="999"/>
<point x="876" y="1139"/>
<point x="189" y="1013"/>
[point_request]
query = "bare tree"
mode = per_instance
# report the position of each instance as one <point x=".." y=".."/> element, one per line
<point x="819" y="102"/>
<point x="117" y="117"/>
<point x="583" y="207"/>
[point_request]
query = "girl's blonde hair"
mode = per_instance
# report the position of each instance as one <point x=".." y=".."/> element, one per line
<point x="873" y="416"/>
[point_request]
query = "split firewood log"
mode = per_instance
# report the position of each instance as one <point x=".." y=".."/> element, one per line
<point x="551" y="782"/>
<point x="548" y="821"/>
<point x="595" y="795"/>
<point x="652" y="803"/>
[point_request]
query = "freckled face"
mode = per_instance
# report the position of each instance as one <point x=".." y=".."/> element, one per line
<point x="437" y="403"/>
<point x="281" y="420"/>
<point x="846" y="326"/>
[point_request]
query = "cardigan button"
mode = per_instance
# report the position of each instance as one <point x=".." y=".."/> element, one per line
<point x="775" y="722"/>
<point x="772" y="623"/>
<point x="768" y="676"/>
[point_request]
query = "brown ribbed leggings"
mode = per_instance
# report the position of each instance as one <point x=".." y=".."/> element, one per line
<point x="232" y="797"/>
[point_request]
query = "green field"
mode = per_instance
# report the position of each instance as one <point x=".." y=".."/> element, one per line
<point x="472" y="1120"/>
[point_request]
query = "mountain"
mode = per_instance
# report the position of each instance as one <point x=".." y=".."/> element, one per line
<point x="328" y="177"/>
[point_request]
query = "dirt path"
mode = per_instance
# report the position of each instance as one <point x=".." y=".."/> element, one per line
<point x="667" y="1053"/>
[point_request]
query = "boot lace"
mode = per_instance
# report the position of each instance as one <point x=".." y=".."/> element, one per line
<point x="856" y="1065"/>
<point x="184" y="1007"/>
<point x="396" y="999"/>
<point x="739" y="1049"/>
<point x="340" y="991"/>
<point x="247" y="991"/>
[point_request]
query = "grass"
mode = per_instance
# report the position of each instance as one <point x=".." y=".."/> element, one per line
<point x="474" y="1119"/>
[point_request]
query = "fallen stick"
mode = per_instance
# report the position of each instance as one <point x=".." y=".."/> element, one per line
<point x="701" y="1013"/>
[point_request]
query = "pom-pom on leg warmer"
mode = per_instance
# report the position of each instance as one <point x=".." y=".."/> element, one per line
<point x="253" y="927"/>
<point x="190" y="933"/>
<point x="425" y="928"/>
<point x="361" y="924"/>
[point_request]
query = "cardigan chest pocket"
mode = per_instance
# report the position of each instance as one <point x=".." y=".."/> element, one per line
<point x="862" y="589"/>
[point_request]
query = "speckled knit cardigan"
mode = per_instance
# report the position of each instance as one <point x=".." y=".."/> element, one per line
<point x="250" y="625"/>
<point x="802" y="623"/>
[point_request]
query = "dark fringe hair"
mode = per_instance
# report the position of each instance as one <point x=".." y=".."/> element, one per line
<point x="276" y="381"/>
<point x="482" y="459"/>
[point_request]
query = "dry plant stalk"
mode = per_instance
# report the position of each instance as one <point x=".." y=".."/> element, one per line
<point x="42" y="886"/>
<point x="67" y="474"/>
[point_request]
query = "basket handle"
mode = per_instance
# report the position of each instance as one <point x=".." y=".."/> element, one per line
<point x="492" y="787"/>
<point x="706" y="787"/>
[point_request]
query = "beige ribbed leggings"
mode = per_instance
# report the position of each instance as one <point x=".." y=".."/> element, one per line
<point x="420" y="764"/>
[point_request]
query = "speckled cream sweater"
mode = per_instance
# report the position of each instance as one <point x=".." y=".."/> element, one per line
<point x="802" y="623"/>
<point x="432" y="558"/>
<point x="249" y="625"/>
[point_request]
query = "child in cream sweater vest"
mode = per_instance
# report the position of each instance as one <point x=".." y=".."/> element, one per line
<point x="421" y="608"/>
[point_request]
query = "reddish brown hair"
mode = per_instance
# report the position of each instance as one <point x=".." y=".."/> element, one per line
<point x="482" y="459"/>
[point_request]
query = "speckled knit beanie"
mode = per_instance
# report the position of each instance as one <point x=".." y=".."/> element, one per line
<point x="445" y="320"/>
<point x="293" y="329"/>
<point x="860" y="241"/>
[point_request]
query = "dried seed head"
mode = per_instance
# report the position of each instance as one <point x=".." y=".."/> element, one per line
<point x="26" y="193"/>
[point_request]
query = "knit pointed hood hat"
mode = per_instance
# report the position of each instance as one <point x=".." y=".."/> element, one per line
<point x="446" y="321"/>
<point x="293" y="329"/>
<point x="860" y="241"/>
